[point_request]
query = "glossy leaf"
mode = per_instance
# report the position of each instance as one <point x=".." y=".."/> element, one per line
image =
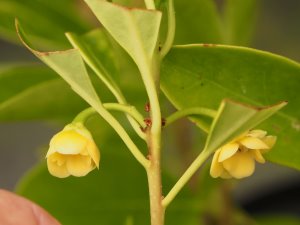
<point x="203" y="75"/>
<point x="108" y="196"/>
<point x="97" y="51"/>
<point x="40" y="102"/>
<point x="197" y="21"/>
<point x="94" y="199"/>
<point x="17" y="78"/>
<point x="239" y="21"/>
<point x="278" y="220"/>
<point x="70" y="66"/>
<point x="127" y="27"/>
<point x="34" y="92"/>
<point x="130" y="3"/>
<point x="51" y="20"/>
<point x="32" y="97"/>
<point x="112" y="64"/>
<point x="233" y="119"/>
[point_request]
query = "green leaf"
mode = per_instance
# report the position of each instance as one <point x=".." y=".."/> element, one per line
<point x="108" y="196"/>
<point x="34" y="98"/>
<point x="40" y="102"/>
<point x="278" y="220"/>
<point x="127" y="27"/>
<point x="70" y="66"/>
<point x="197" y="21"/>
<point x="239" y="21"/>
<point x="200" y="22"/>
<point x="17" y="78"/>
<point x="51" y="20"/>
<point x="233" y="119"/>
<point x="130" y="3"/>
<point x="112" y="65"/>
<point x="201" y="76"/>
<point x="97" y="51"/>
<point x="34" y="92"/>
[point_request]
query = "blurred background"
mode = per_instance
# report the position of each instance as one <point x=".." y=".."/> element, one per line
<point x="272" y="188"/>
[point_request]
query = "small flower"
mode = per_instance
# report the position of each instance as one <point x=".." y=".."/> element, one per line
<point x="72" y="151"/>
<point x="237" y="158"/>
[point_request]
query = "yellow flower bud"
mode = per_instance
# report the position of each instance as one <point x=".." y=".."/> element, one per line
<point x="237" y="158"/>
<point x="72" y="151"/>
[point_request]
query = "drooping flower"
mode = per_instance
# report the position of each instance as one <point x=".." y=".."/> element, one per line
<point x="72" y="151"/>
<point x="237" y="158"/>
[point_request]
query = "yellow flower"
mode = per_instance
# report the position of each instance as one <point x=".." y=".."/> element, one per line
<point x="72" y="151"/>
<point x="237" y="158"/>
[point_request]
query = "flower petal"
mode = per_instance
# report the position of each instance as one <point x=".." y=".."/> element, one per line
<point x="216" y="168"/>
<point x="78" y="128"/>
<point x="57" y="170"/>
<point x="253" y="143"/>
<point x="68" y="142"/>
<point x="258" y="156"/>
<point x="257" y="133"/>
<point x="57" y="158"/>
<point x="270" y="141"/>
<point x="79" y="165"/>
<point x="227" y="151"/>
<point x="225" y="175"/>
<point x="240" y="165"/>
<point x="94" y="152"/>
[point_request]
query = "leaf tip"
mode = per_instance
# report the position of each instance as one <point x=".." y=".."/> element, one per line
<point x="16" y="22"/>
<point x="22" y="37"/>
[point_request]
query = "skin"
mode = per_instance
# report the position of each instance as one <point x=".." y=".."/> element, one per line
<point x="16" y="210"/>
